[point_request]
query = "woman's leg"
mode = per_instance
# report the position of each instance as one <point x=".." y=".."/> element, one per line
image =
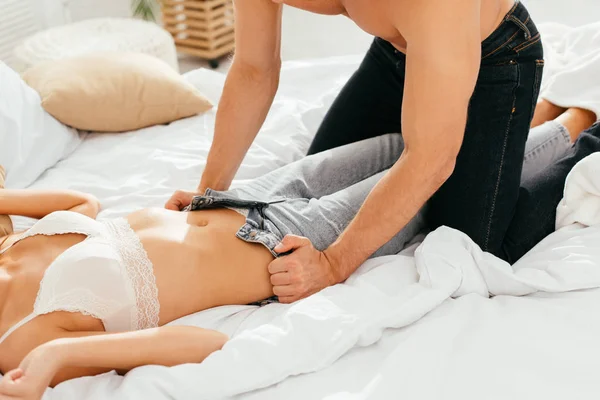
<point x="327" y="172"/>
<point x="314" y="210"/>
<point x="546" y="144"/>
<point x="535" y="214"/>
<point x="323" y="220"/>
<point x="544" y="112"/>
<point x="549" y="142"/>
<point x="325" y="191"/>
<point x="333" y="170"/>
<point x="576" y="120"/>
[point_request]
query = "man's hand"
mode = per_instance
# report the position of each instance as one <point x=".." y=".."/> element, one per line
<point x="180" y="199"/>
<point x="304" y="272"/>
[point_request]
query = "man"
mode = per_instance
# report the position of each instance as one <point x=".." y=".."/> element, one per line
<point x="459" y="79"/>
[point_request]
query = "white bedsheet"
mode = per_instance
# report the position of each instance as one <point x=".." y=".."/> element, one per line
<point x="541" y="346"/>
<point x="571" y="75"/>
<point x="544" y="345"/>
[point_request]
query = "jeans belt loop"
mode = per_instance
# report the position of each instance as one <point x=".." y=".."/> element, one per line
<point x="261" y="211"/>
<point x="521" y="25"/>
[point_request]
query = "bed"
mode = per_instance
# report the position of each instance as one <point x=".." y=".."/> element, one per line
<point x="419" y="325"/>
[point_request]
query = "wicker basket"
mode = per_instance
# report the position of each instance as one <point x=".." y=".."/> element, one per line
<point x="202" y="28"/>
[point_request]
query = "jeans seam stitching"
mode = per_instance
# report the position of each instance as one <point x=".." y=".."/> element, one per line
<point x="565" y="132"/>
<point x="538" y="73"/>
<point x="501" y="46"/>
<point x="512" y="10"/>
<point x="530" y="43"/>
<point x="541" y="146"/>
<point x="493" y="208"/>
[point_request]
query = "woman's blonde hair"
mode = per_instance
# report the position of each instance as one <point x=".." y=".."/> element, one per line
<point x="6" y="226"/>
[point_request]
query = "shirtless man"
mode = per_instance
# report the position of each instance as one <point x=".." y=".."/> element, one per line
<point x="458" y="79"/>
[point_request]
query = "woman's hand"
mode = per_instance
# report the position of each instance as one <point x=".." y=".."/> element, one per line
<point x="32" y="378"/>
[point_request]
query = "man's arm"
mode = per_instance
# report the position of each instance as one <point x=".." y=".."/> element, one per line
<point x="442" y="65"/>
<point x="249" y="89"/>
<point x="247" y="96"/>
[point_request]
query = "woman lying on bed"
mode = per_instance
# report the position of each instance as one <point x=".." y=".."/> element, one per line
<point x="80" y="297"/>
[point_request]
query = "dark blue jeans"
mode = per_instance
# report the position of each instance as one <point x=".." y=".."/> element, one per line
<point x="481" y="196"/>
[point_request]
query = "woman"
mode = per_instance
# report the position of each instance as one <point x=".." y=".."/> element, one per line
<point x="87" y="280"/>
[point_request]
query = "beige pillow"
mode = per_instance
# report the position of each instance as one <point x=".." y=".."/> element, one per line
<point x="114" y="92"/>
<point x="6" y="227"/>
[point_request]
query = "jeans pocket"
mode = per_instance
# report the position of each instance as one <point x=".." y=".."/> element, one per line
<point x="502" y="73"/>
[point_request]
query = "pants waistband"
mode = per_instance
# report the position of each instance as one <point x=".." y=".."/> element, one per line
<point x="257" y="229"/>
<point x="516" y="24"/>
<point x="516" y="21"/>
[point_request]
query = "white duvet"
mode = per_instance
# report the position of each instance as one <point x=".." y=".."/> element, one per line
<point x="572" y="72"/>
<point x="279" y="341"/>
<point x="420" y="325"/>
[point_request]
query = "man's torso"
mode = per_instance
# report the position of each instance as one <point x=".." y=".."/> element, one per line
<point x="381" y="20"/>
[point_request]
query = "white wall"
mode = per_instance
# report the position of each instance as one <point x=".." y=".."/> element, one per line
<point x="569" y="12"/>
<point x="55" y="12"/>
<point x="306" y="35"/>
<point x="18" y="19"/>
<point x="310" y="36"/>
<point x="51" y="12"/>
<point x="83" y="9"/>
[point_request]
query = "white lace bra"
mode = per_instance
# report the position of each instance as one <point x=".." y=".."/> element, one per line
<point x="107" y="276"/>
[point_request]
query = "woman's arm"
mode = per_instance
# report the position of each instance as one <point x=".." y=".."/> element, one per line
<point x="39" y="203"/>
<point x="167" y="346"/>
<point x="78" y="354"/>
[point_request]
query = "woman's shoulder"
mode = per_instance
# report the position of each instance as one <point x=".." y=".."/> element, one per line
<point x="16" y="346"/>
<point x="43" y="329"/>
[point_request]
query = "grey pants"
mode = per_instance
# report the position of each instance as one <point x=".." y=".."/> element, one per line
<point x="317" y="196"/>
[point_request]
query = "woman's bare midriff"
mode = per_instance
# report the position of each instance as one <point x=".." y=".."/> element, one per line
<point x="198" y="261"/>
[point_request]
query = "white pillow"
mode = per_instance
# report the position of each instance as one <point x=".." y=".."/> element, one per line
<point x="31" y="140"/>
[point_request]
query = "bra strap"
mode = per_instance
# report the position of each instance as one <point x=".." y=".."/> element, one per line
<point x="4" y="250"/>
<point x="17" y="326"/>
